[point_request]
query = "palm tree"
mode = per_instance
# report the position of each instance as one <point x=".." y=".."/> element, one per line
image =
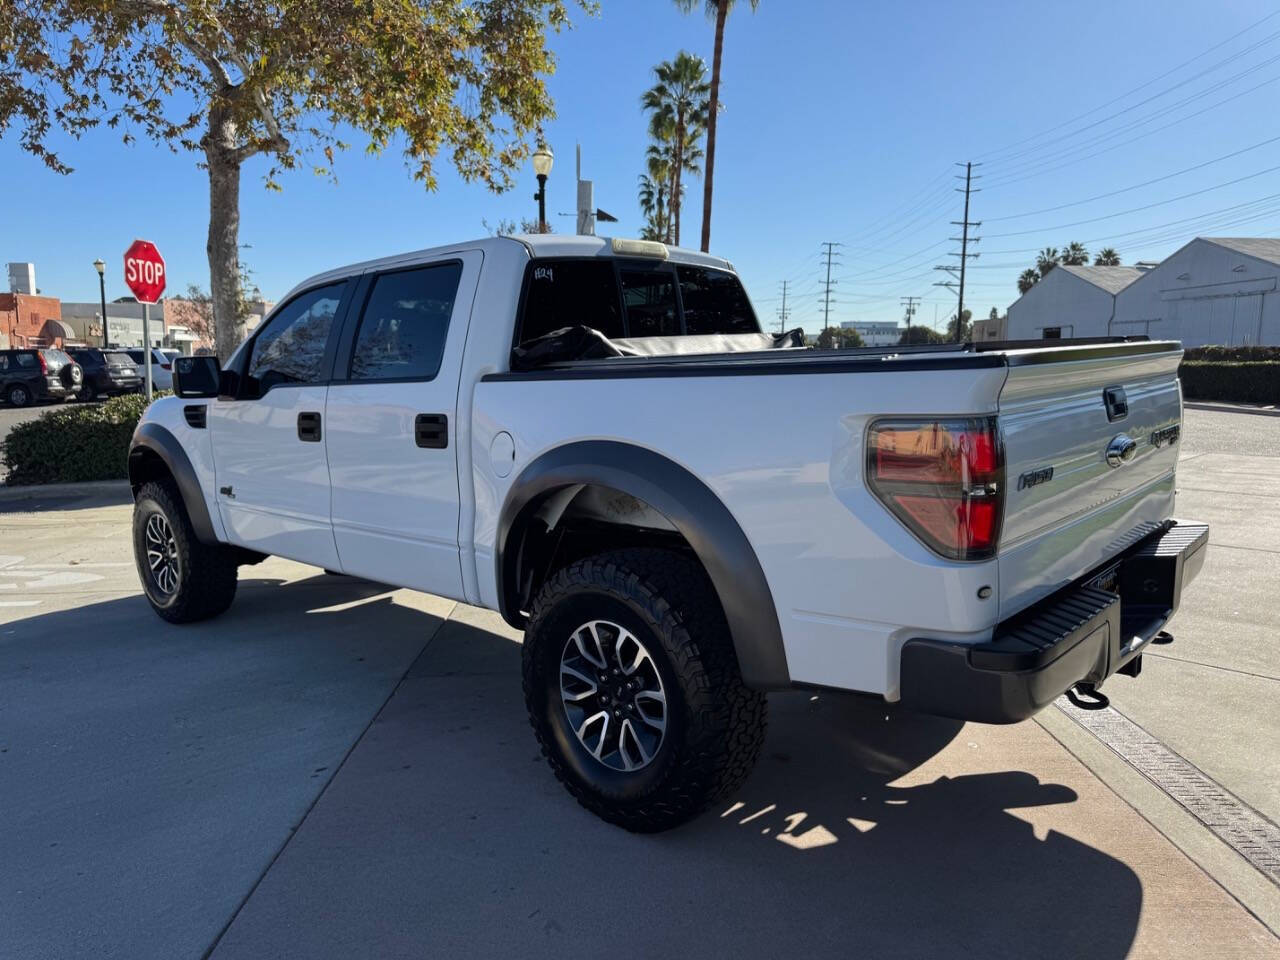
<point x="1027" y="280"/>
<point x="1107" y="257"/>
<point x="650" y="196"/>
<point x="1075" y="255"/>
<point x="678" y="107"/>
<point x="717" y="10"/>
<point x="659" y="166"/>
<point x="1047" y="259"/>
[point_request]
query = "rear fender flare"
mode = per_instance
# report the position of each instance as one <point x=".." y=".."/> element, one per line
<point x="692" y="508"/>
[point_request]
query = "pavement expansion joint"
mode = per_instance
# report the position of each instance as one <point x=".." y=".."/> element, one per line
<point x="1237" y="824"/>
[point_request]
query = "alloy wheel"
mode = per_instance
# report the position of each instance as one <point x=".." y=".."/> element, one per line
<point x="613" y="695"/>
<point x="162" y="554"/>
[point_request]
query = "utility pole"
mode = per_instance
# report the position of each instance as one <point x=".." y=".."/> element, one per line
<point x="826" y="287"/>
<point x="910" y="303"/>
<point x="957" y="284"/>
<point x="783" y="313"/>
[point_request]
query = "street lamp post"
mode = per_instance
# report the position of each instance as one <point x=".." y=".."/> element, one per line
<point x="542" y="160"/>
<point x="102" y="292"/>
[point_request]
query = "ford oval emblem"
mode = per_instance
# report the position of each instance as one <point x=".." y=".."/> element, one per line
<point x="1121" y="450"/>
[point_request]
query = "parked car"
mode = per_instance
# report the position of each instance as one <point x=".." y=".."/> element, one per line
<point x="681" y="512"/>
<point x="38" y="374"/>
<point x="106" y="373"/>
<point x="161" y="366"/>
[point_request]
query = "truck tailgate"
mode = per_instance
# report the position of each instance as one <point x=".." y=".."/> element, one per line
<point x="1091" y="441"/>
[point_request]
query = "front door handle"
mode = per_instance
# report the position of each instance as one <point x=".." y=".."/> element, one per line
<point x="309" y="427"/>
<point x="431" y="430"/>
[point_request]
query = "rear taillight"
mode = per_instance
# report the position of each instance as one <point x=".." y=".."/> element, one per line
<point x="166" y="366"/>
<point x="44" y="364"/>
<point x="943" y="479"/>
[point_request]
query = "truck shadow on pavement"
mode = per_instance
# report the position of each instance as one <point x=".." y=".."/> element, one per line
<point x="445" y="834"/>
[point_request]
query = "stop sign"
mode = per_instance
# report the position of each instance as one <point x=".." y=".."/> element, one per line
<point x="144" y="271"/>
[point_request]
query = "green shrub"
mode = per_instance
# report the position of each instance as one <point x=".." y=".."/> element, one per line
<point x="1249" y="381"/>
<point x="74" y="443"/>
<point x="1220" y="353"/>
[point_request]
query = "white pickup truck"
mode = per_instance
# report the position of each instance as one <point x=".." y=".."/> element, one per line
<point x="594" y="438"/>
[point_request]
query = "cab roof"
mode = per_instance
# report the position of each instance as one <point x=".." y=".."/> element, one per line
<point x="538" y="247"/>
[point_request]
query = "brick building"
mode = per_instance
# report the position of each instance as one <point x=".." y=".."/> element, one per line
<point x="28" y="320"/>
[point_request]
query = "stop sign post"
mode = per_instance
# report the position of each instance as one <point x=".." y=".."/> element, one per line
<point x="144" y="274"/>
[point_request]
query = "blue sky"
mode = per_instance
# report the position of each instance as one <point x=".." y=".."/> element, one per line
<point x="842" y="122"/>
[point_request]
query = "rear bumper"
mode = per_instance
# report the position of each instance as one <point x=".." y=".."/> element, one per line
<point x="1084" y="632"/>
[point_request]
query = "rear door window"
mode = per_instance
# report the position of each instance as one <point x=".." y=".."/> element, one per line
<point x="649" y="297"/>
<point x="27" y="361"/>
<point x="714" y="302"/>
<point x="404" y="324"/>
<point x="571" y="293"/>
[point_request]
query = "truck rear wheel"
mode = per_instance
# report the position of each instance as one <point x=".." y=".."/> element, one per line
<point x="184" y="580"/>
<point x="634" y="692"/>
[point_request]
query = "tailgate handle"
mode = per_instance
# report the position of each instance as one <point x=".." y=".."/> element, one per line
<point x="1117" y="403"/>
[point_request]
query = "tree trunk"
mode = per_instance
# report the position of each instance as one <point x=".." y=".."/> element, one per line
<point x="679" y="172"/>
<point x="223" y="247"/>
<point x="722" y="11"/>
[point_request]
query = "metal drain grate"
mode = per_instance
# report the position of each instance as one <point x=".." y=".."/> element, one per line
<point x="1245" y="830"/>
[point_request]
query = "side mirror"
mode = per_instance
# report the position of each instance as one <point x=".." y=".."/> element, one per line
<point x="196" y="376"/>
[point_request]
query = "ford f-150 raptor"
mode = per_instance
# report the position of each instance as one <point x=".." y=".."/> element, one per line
<point x="595" y="438"/>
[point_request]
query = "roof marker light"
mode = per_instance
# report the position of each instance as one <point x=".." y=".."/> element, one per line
<point x="624" y="246"/>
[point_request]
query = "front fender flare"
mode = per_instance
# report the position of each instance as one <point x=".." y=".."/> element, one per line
<point x="154" y="438"/>
<point x="695" y="511"/>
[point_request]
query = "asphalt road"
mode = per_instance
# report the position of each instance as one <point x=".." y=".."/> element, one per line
<point x="336" y="770"/>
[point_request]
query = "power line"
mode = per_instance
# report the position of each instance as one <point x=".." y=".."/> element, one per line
<point x="1147" y="206"/>
<point x="1136" y="186"/>
<point x="1034" y="171"/>
<point x="958" y="273"/>
<point x="1031" y="165"/>
<point x="990" y="157"/>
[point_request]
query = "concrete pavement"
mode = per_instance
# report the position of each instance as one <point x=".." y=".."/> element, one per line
<point x="331" y="769"/>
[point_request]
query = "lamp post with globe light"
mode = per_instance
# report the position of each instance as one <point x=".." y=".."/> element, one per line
<point x="101" y="267"/>
<point x="542" y="160"/>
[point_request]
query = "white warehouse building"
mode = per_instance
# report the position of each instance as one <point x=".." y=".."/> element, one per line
<point x="1213" y="290"/>
<point x="1069" y="302"/>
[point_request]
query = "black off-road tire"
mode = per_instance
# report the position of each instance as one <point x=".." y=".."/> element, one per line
<point x="206" y="581"/>
<point x="715" y="725"/>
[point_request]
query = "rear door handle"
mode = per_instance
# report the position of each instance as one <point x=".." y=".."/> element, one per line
<point x="431" y="430"/>
<point x="309" y="427"/>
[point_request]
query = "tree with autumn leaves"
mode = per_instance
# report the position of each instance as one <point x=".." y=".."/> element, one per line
<point x="230" y="81"/>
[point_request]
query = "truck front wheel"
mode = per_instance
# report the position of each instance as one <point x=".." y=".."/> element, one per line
<point x="633" y="689"/>
<point x="184" y="580"/>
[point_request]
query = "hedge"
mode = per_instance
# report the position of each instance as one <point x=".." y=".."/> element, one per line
<point x="1247" y="381"/>
<point x="74" y="443"/>
<point x="1220" y="353"/>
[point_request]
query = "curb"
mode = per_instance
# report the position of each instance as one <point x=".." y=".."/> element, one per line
<point x="1232" y="408"/>
<point x="85" y="489"/>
